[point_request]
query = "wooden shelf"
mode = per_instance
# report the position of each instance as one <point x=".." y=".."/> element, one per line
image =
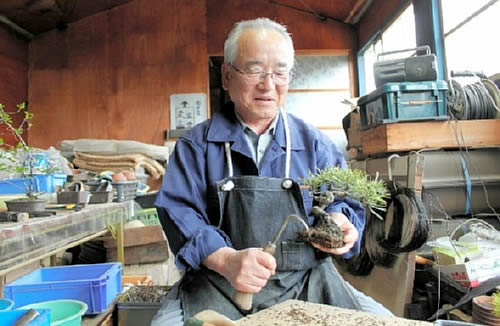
<point x="410" y="136"/>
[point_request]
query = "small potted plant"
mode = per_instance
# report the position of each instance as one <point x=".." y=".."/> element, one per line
<point x="333" y="182"/>
<point x="20" y="159"/>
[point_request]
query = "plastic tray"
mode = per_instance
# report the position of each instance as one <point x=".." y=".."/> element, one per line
<point x="122" y="191"/>
<point x="101" y="197"/>
<point x="136" y="314"/>
<point x="96" y="285"/>
<point x="148" y="216"/>
<point x="125" y="190"/>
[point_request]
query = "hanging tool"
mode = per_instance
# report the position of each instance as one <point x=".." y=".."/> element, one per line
<point x="243" y="299"/>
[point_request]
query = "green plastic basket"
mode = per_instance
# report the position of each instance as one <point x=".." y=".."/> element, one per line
<point x="148" y="216"/>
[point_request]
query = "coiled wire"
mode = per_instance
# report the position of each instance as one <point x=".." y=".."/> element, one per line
<point x="473" y="101"/>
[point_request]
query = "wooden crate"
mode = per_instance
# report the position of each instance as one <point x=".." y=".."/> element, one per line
<point x="146" y="244"/>
<point x="404" y="137"/>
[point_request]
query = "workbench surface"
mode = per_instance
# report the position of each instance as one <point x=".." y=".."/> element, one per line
<point x="24" y="241"/>
<point x="294" y="312"/>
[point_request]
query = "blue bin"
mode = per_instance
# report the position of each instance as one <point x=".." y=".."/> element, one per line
<point x="41" y="183"/>
<point x="6" y="304"/>
<point x="9" y="318"/>
<point x="96" y="285"/>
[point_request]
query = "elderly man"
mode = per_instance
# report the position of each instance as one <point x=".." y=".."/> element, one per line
<point x="233" y="179"/>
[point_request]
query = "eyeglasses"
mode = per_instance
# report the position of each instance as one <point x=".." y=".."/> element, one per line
<point x="254" y="77"/>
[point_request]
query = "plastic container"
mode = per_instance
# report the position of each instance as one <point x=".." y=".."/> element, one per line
<point x="148" y="216"/>
<point x="25" y="205"/>
<point x="6" y="304"/>
<point x="41" y="183"/>
<point x="125" y="190"/>
<point x="101" y="197"/>
<point x="96" y="285"/>
<point x="73" y="197"/>
<point x="136" y="314"/>
<point x="9" y="318"/>
<point x="122" y="191"/>
<point x="62" y="312"/>
<point x="147" y="200"/>
<point x="408" y="101"/>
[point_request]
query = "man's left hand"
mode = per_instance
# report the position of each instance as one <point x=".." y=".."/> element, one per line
<point x="351" y="235"/>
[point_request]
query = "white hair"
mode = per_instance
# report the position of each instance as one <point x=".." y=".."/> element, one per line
<point x="231" y="43"/>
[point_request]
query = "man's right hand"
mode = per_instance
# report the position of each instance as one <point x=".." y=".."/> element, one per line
<point x="247" y="270"/>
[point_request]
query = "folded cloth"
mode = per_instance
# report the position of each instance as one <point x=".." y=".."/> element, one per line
<point x="119" y="162"/>
<point x="112" y="146"/>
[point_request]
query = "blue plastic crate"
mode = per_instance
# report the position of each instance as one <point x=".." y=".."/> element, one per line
<point x="96" y="285"/>
<point x="9" y="318"/>
<point x="41" y="183"/>
<point x="408" y="101"/>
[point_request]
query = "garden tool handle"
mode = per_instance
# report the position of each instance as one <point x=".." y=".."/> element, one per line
<point x="244" y="299"/>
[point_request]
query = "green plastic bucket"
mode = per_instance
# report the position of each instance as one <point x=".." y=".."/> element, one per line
<point x="6" y="304"/>
<point x="62" y="312"/>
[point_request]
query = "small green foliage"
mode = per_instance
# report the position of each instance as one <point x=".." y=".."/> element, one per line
<point x="496" y="303"/>
<point x="9" y="153"/>
<point x="350" y="182"/>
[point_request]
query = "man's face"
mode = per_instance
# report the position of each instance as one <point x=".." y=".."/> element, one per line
<point x="258" y="50"/>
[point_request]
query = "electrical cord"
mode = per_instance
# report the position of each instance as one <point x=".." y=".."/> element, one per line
<point x="472" y="101"/>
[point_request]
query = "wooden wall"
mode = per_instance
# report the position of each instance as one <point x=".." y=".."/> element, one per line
<point x="110" y="75"/>
<point x="13" y="76"/>
<point x="307" y="31"/>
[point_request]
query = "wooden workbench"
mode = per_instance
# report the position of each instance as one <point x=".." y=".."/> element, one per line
<point x="24" y="243"/>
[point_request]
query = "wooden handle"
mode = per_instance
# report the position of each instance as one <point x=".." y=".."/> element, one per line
<point x="243" y="299"/>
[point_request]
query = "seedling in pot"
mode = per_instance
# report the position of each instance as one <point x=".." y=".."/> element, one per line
<point x="20" y="158"/>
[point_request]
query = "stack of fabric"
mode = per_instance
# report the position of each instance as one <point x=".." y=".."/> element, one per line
<point x="118" y="162"/>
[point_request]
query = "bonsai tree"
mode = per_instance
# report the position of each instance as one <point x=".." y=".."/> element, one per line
<point x="333" y="182"/>
<point x="19" y="158"/>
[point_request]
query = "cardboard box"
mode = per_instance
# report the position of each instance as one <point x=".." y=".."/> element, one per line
<point x="448" y="256"/>
<point x="473" y="272"/>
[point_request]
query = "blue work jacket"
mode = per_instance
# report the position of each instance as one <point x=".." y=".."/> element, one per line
<point x="199" y="161"/>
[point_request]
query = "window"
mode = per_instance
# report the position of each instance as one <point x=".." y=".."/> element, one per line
<point x="399" y="35"/>
<point x="471" y="35"/>
<point x="320" y="84"/>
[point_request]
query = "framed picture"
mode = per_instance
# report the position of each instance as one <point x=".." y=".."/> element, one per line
<point x="187" y="110"/>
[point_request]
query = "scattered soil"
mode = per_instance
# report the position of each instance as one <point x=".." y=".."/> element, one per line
<point x="326" y="232"/>
<point x="294" y="312"/>
<point x="145" y="294"/>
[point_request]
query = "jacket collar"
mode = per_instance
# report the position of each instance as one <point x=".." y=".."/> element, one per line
<point x="225" y="127"/>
